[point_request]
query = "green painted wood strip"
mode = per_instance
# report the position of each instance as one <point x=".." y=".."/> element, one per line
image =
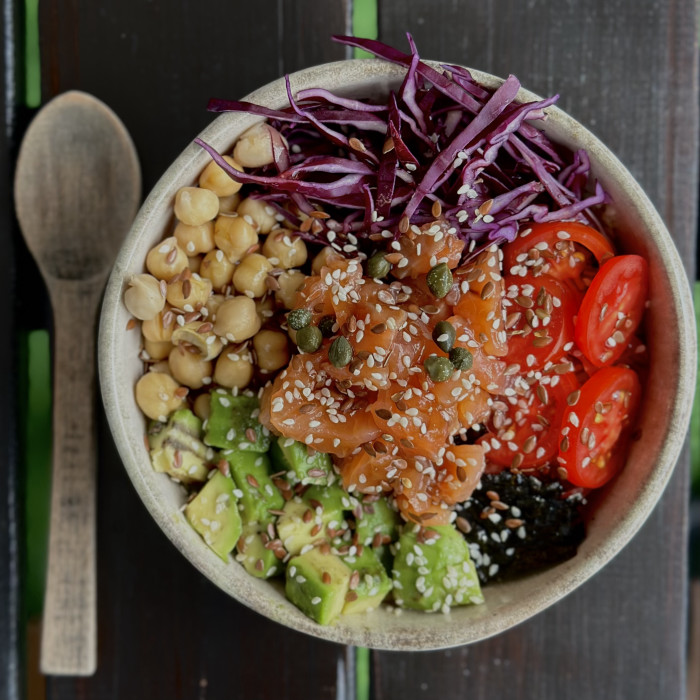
<point x="364" y="23"/>
<point x="32" y="61"/>
<point x="36" y="436"/>
<point x="36" y="385"/>
<point x="362" y="673"/>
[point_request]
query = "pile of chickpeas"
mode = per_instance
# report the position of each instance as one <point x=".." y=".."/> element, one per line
<point x="211" y="303"/>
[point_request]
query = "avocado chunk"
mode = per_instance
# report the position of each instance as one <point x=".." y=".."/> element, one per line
<point x="258" y="560"/>
<point x="257" y="495"/>
<point x="213" y="513"/>
<point x="313" y="518"/>
<point x="434" y="572"/>
<point x="378" y="523"/>
<point x="177" y="448"/>
<point x="233" y="423"/>
<point x="369" y="582"/>
<point x="317" y="584"/>
<point x="293" y="457"/>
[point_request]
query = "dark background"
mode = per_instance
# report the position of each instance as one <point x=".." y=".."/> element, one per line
<point x="625" y="68"/>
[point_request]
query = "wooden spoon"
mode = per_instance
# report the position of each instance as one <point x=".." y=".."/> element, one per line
<point x="77" y="188"/>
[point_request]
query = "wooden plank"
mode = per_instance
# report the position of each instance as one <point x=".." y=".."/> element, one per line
<point x="163" y="630"/>
<point x="11" y="515"/>
<point x="628" y="70"/>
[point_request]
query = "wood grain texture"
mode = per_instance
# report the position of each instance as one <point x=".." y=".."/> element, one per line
<point x="163" y="630"/>
<point x="11" y="655"/>
<point x="627" y="69"/>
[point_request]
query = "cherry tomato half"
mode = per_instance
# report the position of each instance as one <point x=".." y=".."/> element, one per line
<point x="612" y="309"/>
<point x="539" y="320"/>
<point x="525" y="434"/>
<point x="595" y="429"/>
<point x="550" y="248"/>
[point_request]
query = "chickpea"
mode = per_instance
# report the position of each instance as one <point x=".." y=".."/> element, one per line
<point x="290" y="281"/>
<point x="166" y="259"/>
<point x="321" y="260"/>
<point x="160" y="328"/>
<point x="262" y="214"/>
<point x="233" y="370"/>
<point x="202" y="406"/>
<point x="271" y="350"/>
<point x="190" y="293"/>
<point x="195" y="239"/>
<point x="216" y="179"/>
<point x="265" y="308"/>
<point x="284" y="249"/>
<point x="235" y="236"/>
<point x="212" y="306"/>
<point x="249" y="277"/>
<point x="217" y="268"/>
<point x="189" y="368"/>
<point x="157" y="350"/>
<point x="158" y="395"/>
<point x="161" y="366"/>
<point x="144" y="297"/>
<point x="236" y="319"/>
<point x="254" y="146"/>
<point x="228" y="205"/>
<point x="199" y="336"/>
<point x="196" y="205"/>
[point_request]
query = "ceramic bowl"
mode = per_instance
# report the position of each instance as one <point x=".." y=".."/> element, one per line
<point x="618" y="512"/>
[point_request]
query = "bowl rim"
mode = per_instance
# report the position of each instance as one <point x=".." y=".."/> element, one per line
<point x="568" y="575"/>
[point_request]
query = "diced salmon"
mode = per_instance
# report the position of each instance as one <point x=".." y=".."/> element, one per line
<point x="322" y="417"/>
<point x="435" y="243"/>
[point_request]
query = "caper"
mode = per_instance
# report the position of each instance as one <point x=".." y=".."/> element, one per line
<point x="439" y="369"/>
<point x="439" y="280"/>
<point x="461" y="358"/>
<point x="299" y="318"/>
<point x="325" y="325"/>
<point x="444" y="335"/>
<point x="309" y="339"/>
<point x="378" y="266"/>
<point x="340" y="352"/>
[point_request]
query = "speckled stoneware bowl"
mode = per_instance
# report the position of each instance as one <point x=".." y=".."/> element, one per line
<point x="616" y="515"/>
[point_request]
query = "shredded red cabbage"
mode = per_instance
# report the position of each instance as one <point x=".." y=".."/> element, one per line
<point x="441" y="137"/>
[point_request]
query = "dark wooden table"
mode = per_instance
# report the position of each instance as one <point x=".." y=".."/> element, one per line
<point x="626" y="68"/>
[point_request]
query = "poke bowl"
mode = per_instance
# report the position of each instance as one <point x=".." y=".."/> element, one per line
<point x="201" y="462"/>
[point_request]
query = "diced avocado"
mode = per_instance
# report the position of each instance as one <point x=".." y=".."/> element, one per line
<point x="317" y="584"/>
<point x="434" y="573"/>
<point x="255" y="557"/>
<point x="307" y="520"/>
<point x="291" y="456"/>
<point x="378" y="518"/>
<point x="233" y="422"/>
<point x="258" y="495"/>
<point x="330" y="498"/>
<point x="369" y="585"/>
<point x="177" y="448"/>
<point x="213" y="513"/>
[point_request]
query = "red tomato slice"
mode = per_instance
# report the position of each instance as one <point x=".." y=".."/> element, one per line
<point x="551" y="249"/>
<point x="525" y="435"/>
<point x="539" y="320"/>
<point x="594" y="429"/>
<point x="612" y="309"/>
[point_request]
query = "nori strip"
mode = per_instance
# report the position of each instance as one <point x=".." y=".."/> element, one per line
<point x="502" y="548"/>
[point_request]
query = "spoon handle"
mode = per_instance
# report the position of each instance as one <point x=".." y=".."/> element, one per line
<point x="69" y="644"/>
